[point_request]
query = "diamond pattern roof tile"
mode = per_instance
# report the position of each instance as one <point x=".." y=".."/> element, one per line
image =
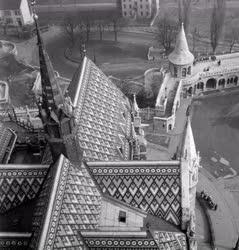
<point x="99" y="107"/>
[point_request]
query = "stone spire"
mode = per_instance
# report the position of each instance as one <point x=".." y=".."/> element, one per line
<point x="189" y="148"/>
<point x="135" y="106"/>
<point x="52" y="95"/>
<point x="181" y="54"/>
<point x="56" y="111"/>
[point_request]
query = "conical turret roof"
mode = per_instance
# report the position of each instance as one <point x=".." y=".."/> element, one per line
<point x="181" y="54"/>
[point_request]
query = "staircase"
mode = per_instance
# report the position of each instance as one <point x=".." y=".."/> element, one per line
<point x="171" y="97"/>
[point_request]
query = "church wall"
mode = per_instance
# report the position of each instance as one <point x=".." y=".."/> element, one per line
<point x="109" y="219"/>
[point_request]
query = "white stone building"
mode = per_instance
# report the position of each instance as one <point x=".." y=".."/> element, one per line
<point x="15" y="12"/>
<point x="138" y="8"/>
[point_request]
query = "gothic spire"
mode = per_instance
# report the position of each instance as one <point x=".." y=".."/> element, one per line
<point x="135" y="106"/>
<point x="189" y="148"/>
<point x="52" y="95"/>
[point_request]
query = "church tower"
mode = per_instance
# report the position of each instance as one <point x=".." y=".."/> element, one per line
<point x="181" y="59"/>
<point x="55" y="109"/>
<point x="190" y="163"/>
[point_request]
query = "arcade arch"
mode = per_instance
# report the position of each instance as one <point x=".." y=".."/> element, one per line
<point x="221" y="83"/>
<point x="211" y="83"/>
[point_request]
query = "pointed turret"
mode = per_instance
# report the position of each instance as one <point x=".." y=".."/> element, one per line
<point x="190" y="162"/>
<point x="189" y="148"/>
<point x="135" y="106"/>
<point x="181" y="54"/>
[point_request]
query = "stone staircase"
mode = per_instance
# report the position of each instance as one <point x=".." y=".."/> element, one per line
<point x="171" y="96"/>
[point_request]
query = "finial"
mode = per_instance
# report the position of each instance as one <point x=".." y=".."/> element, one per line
<point x="33" y="3"/>
<point x="84" y="50"/>
<point x="188" y="111"/>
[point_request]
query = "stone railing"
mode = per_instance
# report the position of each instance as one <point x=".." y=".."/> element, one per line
<point x="201" y="75"/>
<point x="176" y="101"/>
<point x="159" y="104"/>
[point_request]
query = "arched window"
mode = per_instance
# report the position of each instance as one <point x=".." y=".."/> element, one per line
<point x="189" y="70"/>
<point x="175" y="71"/>
<point x="184" y="72"/>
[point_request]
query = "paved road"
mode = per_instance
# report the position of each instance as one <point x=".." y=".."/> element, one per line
<point x="224" y="221"/>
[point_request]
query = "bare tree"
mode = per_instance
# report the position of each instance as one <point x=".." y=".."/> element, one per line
<point x="88" y="25"/>
<point x="217" y="21"/>
<point x="186" y="14"/>
<point x="167" y="29"/>
<point x="101" y="27"/>
<point x="69" y="25"/>
<point x="232" y="36"/>
<point x="195" y="36"/>
<point x="180" y="12"/>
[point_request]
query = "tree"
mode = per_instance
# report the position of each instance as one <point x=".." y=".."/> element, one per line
<point x="101" y="27"/>
<point x="167" y="29"/>
<point x="232" y="36"/>
<point x="195" y="36"/>
<point x="217" y="21"/>
<point x="69" y="25"/>
<point x="184" y="13"/>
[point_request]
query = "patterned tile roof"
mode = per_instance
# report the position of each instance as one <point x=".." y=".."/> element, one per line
<point x="7" y="142"/>
<point x="19" y="184"/>
<point x="12" y="241"/>
<point x="170" y="240"/>
<point x="151" y="186"/>
<point x="73" y="205"/>
<point x="97" y="243"/>
<point x="102" y="115"/>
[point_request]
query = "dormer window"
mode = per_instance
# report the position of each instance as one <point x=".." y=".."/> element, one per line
<point x="122" y="216"/>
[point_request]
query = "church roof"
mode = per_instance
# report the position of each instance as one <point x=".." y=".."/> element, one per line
<point x="19" y="183"/>
<point x="69" y="202"/>
<point x="181" y="54"/>
<point x="149" y="185"/>
<point x="102" y="114"/>
<point x="71" y="211"/>
<point x="7" y="142"/>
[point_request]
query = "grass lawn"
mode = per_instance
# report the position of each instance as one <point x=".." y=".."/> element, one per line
<point x="201" y="17"/>
<point x="216" y="130"/>
<point x="114" y="52"/>
<point x="120" y="59"/>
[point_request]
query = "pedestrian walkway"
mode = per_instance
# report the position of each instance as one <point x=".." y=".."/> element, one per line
<point x="224" y="221"/>
<point x="177" y="132"/>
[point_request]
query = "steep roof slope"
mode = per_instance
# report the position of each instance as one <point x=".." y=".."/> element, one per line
<point x="102" y="114"/>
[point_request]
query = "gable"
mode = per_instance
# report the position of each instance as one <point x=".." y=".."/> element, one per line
<point x="70" y="204"/>
<point x="19" y="183"/>
<point x="151" y="186"/>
